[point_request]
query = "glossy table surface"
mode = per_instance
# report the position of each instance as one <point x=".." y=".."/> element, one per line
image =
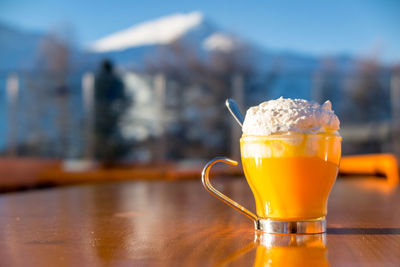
<point x="178" y="223"/>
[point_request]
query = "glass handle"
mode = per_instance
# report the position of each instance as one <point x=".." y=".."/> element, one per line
<point x="206" y="182"/>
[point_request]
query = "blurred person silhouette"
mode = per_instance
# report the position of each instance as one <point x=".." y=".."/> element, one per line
<point x="110" y="105"/>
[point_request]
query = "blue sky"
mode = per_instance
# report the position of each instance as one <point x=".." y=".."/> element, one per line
<point x="361" y="27"/>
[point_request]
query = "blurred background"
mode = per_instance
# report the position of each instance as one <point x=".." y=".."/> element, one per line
<point x="94" y="85"/>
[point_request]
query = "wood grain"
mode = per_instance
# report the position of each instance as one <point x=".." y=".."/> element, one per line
<point x="178" y="223"/>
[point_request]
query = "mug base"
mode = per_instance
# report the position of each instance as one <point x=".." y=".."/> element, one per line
<point x="269" y="226"/>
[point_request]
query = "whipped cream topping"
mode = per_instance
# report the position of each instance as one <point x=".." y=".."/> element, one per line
<point x="285" y="115"/>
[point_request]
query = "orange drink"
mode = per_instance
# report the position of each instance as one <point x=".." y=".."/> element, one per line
<point x="291" y="176"/>
<point x="290" y="151"/>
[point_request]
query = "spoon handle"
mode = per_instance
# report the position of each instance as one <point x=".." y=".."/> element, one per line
<point x="235" y="111"/>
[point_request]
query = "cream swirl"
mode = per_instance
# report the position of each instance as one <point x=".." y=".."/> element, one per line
<point x="285" y="115"/>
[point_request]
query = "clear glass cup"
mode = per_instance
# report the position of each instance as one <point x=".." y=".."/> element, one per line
<point x="290" y="175"/>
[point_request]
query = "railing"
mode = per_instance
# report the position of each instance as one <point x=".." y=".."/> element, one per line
<point x="170" y="120"/>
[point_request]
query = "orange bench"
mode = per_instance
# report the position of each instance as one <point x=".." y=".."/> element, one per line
<point x="373" y="164"/>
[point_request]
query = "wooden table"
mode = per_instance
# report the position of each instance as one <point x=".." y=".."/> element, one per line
<point x="143" y="223"/>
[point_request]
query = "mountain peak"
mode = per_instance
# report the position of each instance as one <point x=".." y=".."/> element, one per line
<point x="159" y="31"/>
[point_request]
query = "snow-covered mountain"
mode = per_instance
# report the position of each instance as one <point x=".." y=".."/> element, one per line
<point x="165" y="30"/>
<point x="132" y="46"/>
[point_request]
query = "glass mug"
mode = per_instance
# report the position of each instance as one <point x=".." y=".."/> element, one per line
<point x="290" y="175"/>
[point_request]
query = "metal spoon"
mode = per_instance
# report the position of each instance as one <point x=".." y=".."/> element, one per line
<point x="235" y="111"/>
